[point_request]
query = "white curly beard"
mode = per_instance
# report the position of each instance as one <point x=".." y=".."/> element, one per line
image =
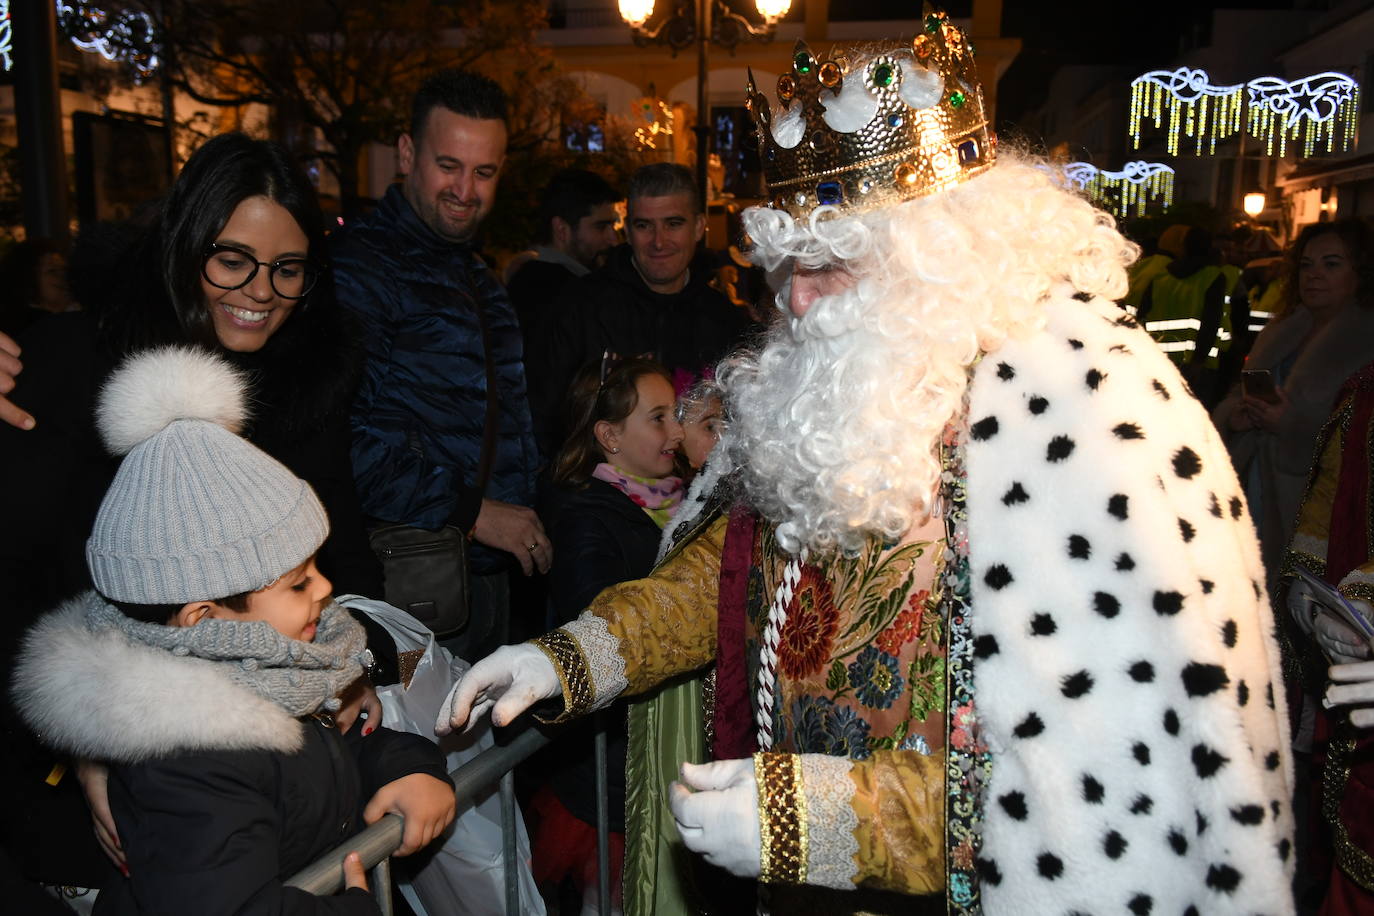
<point x="836" y="423"/>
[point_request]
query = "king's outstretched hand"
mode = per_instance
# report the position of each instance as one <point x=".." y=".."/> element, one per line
<point x="716" y="807"/>
<point x="510" y="680"/>
<point x="1353" y="685"/>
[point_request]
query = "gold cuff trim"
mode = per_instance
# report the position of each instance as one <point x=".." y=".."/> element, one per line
<point x="782" y="818"/>
<point x="1362" y="590"/>
<point x="571" y="666"/>
<point x="1308" y="560"/>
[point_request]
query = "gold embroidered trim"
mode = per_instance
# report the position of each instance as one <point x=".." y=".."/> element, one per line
<point x="1307" y="560"/>
<point x="571" y="666"/>
<point x="782" y="818"/>
<point x="1353" y="860"/>
<point x="1361" y="590"/>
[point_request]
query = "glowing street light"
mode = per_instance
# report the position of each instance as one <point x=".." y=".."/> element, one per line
<point x="1254" y="203"/>
<point x="703" y="23"/>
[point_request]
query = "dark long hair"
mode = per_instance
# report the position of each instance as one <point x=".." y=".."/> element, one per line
<point x="153" y="293"/>
<point x="1358" y="237"/>
<point x="591" y="400"/>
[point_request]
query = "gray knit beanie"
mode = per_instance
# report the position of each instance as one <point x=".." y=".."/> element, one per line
<point x="195" y="512"/>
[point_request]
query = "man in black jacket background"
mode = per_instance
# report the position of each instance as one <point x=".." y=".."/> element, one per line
<point x="652" y="298"/>
<point x="576" y="227"/>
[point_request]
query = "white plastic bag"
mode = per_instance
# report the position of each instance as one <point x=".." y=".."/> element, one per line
<point x="466" y="876"/>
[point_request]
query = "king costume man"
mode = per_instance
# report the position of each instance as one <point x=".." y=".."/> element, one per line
<point x="982" y="593"/>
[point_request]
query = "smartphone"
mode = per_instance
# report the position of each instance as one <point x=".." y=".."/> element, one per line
<point x="1259" y="383"/>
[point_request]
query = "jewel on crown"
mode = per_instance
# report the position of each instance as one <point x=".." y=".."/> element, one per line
<point x="872" y="126"/>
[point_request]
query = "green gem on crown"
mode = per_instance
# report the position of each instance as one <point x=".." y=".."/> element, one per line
<point x="882" y="75"/>
<point x="932" y="23"/>
<point x="803" y="62"/>
<point x="957" y="99"/>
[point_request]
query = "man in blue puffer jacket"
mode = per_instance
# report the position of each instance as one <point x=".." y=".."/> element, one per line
<point x="434" y="315"/>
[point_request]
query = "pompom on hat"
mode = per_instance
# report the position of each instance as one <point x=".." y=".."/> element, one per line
<point x="195" y="512"/>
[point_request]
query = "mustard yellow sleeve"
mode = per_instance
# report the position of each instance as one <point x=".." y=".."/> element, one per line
<point x="842" y="823"/>
<point x="637" y="634"/>
<point x="1308" y="547"/>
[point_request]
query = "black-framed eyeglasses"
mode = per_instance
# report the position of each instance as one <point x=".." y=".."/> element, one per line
<point x="227" y="267"/>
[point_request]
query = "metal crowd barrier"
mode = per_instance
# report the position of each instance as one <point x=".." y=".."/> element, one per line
<point x="376" y="844"/>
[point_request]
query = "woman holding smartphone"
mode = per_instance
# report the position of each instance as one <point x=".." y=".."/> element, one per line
<point x="1270" y="420"/>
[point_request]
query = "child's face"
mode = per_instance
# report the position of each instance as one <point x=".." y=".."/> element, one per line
<point x="649" y="436"/>
<point x="292" y="604"/>
<point x="701" y="432"/>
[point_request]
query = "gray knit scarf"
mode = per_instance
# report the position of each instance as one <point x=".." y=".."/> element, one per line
<point x="300" y="677"/>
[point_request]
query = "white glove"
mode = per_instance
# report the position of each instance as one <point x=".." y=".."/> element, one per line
<point x="1353" y="684"/>
<point x="512" y="679"/>
<point x="720" y="819"/>
<point x="1300" y="604"/>
<point x="1340" y="643"/>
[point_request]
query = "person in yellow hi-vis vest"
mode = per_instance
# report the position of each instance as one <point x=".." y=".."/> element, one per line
<point x="1183" y="311"/>
<point x="1143" y="272"/>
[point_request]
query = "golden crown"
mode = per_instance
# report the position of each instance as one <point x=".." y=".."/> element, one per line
<point x="866" y="128"/>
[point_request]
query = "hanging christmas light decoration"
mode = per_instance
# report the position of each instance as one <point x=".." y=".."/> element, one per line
<point x="127" y="36"/>
<point x="1138" y="185"/>
<point x="1195" y="108"/>
<point x="656" y="121"/>
<point x="6" y="36"/>
<point x="1315" y="108"/>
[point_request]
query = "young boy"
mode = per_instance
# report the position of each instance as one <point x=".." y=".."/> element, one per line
<point x="206" y="663"/>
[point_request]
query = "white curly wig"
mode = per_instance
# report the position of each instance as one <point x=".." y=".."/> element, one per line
<point x="837" y="419"/>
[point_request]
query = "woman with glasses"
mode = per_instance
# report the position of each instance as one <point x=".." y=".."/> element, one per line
<point x="236" y="263"/>
<point x="232" y="261"/>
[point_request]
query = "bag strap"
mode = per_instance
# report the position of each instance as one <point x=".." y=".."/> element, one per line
<point x="484" y="460"/>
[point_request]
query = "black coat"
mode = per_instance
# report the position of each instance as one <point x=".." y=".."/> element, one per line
<point x="225" y="828"/>
<point x="218" y="792"/>
<point x="600" y="538"/>
<point x="613" y="309"/>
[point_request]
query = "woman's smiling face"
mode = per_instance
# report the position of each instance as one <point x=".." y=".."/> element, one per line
<point x="247" y="317"/>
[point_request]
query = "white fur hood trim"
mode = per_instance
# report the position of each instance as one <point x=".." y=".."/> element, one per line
<point x="101" y="696"/>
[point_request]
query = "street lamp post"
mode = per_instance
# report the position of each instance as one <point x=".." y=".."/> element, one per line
<point x="701" y="22"/>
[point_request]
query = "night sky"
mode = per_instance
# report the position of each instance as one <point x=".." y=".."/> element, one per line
<point x="1146" y="36"/>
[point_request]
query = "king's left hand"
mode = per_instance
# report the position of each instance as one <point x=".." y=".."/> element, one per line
<point x="716" y="806"/>
<point x="1350" y="685"/>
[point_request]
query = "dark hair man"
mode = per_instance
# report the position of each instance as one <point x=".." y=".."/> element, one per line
<point x="576" y="228"/>
<point x="440" y="334"/>
<point x="649" y="299"/>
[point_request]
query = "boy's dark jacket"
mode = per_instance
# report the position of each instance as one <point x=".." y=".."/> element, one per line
<point x="218" y="793"/>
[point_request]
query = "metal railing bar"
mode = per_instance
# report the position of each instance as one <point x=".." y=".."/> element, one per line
<point x="324" y="876"/>
<point x="603" y="820"/>
<point x="508" y="841"/>
<point x="379" y="879"/>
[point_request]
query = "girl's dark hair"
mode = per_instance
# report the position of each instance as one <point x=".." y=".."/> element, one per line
<point x="162" y="613"/>
<point x="1358" y="237"/>
<point x="592" y="400"/>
